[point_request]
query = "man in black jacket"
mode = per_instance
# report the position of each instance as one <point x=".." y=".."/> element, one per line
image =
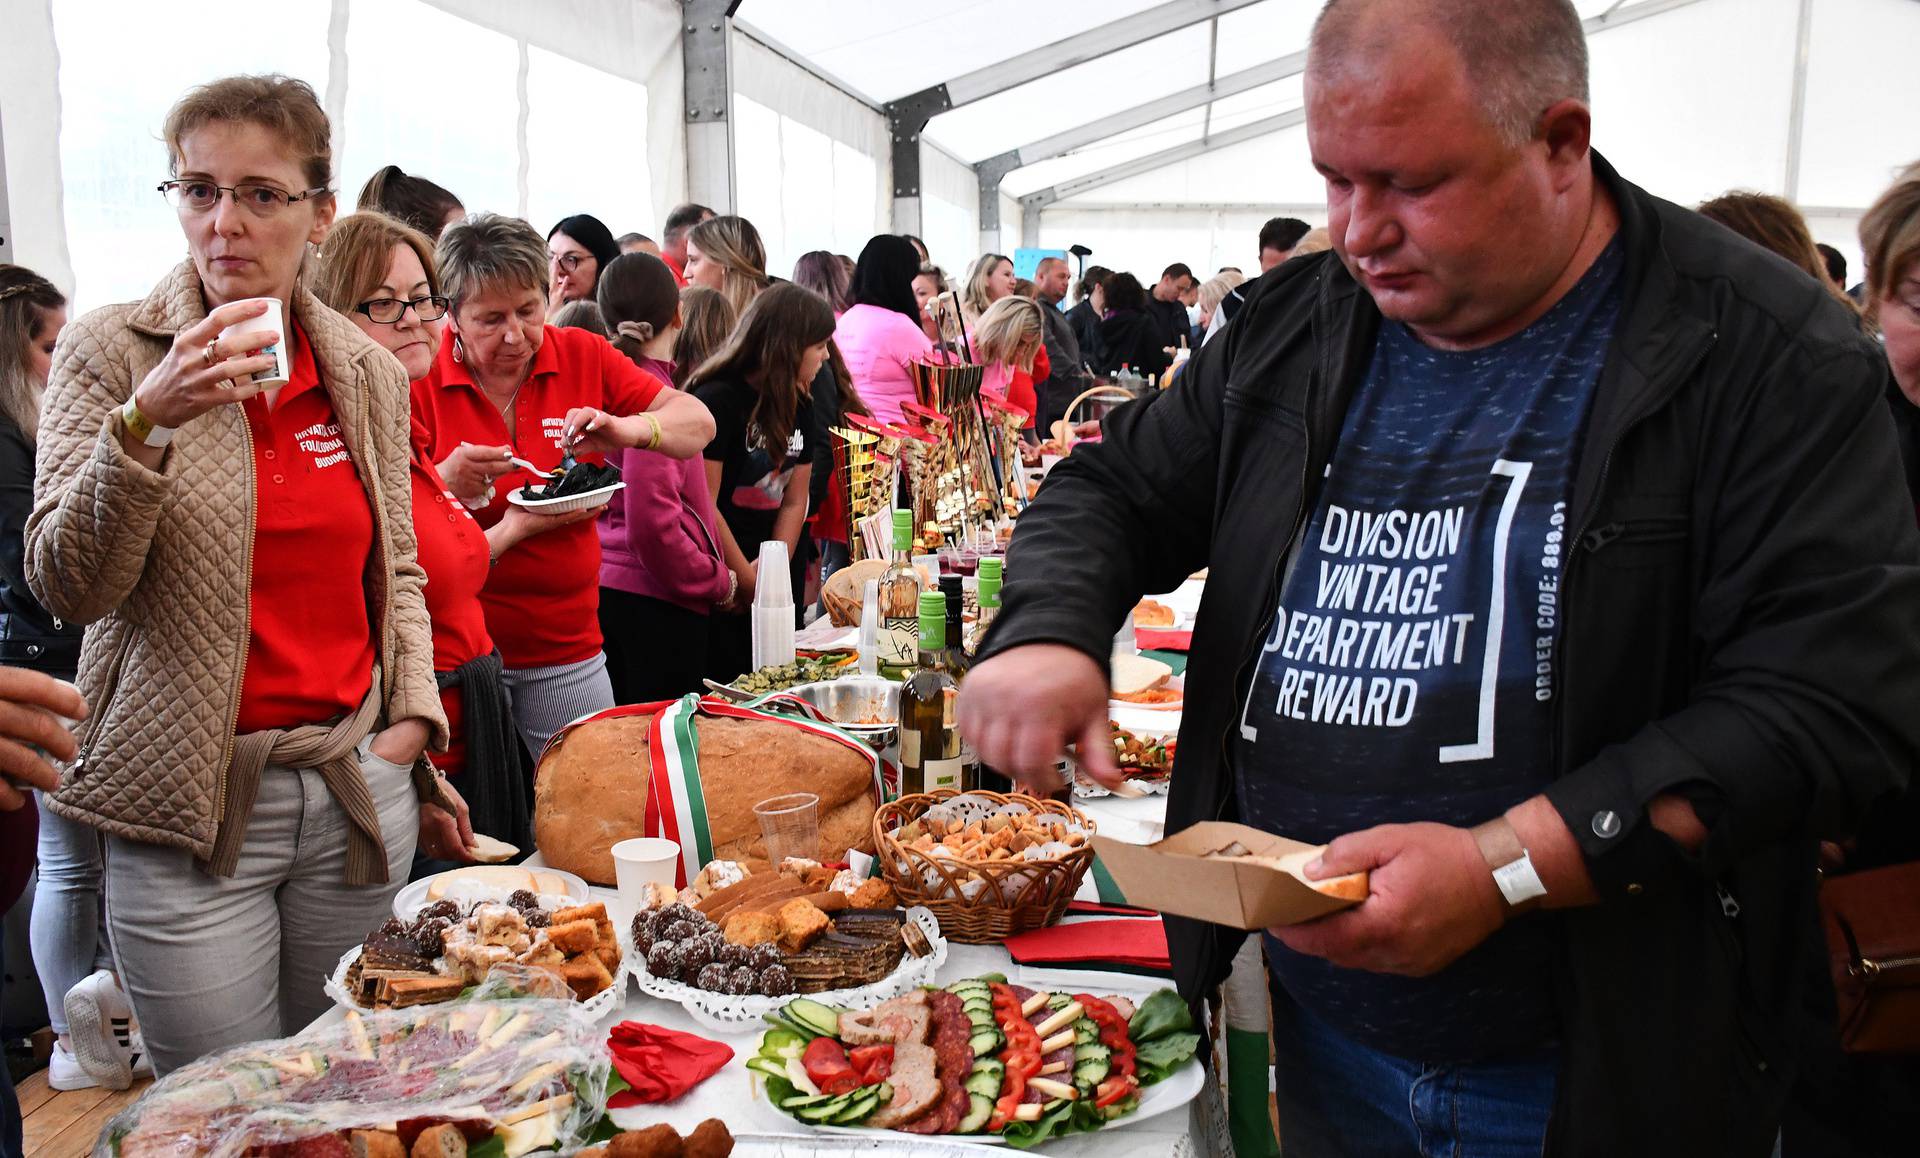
<point x="1164" y="305"/>
<point x="1561" y="578"/>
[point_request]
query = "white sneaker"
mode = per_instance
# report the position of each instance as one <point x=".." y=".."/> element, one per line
<point x="97" y="1016"/>
<point x="64" y="1073"/>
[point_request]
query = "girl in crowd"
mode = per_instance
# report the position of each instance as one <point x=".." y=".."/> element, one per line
<point x="582" y="314"/>
<point x="661" y="568"/>
<point x="725" y="253"/>
<point x="1129" y="336"/>
<point x="577" y="250"/>
<point x="509" y="384"/>
<point x="880" y="335"/>
<point x="1086" y="314"/>
<point x="412" y="200"/>
<point x="96" y="1045"/>
<point x="1011" y="343"/>
<point x="760" y="461"/>
<point x="919" y="247"/>
<point x="1774" y="224"/>
<point x="706" y="318"/>
<point x="258" y="664"/>
<point x="381" y="275"/>
<point x="827" y="275"/>
<point x="990" y="279"/>
<point x="928" y="284"/>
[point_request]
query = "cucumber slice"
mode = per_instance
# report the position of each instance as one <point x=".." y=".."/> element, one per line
<point x="778" y="1020"/>
<point x="802" y="1101"/>
<point x="772" y="1067"/>
<point x="977" y="1005"/>
<point x="969" y="984"/>
<point x="1057" y="1001"/>
<point x="983" y="1082"/>
<point x="826" y="1111"/>
<point x="1085" y="1033"/>
<point x="992" y="978"/>
<point x="865" y="1101"/>
<point x="979" y="1112"/>
<point x="985" y="1042"/>
<point x="822" y="1020"/>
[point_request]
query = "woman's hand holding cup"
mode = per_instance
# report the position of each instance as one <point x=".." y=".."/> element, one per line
<point x="203" y="371"/>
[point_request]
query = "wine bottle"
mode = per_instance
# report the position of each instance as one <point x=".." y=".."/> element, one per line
<point x="951" y="591"/>
<point x="900" y="589"/>
<point x="989" y="601"/>
<point x="930" y="756"/>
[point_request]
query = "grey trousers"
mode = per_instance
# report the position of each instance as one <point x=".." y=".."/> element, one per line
<point x="213" y="962"/>
<point x="547" y="699"/>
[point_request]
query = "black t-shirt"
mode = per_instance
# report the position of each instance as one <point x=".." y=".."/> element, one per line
<point x="752" y="485"/>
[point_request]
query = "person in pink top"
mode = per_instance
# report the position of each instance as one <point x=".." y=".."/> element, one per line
<point x="661" y="570"/>
<point x="879" y="336"/>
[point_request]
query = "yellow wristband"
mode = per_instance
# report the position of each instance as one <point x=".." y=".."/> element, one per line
<point x="654" y="442"/>
<point x="142" y="427"/>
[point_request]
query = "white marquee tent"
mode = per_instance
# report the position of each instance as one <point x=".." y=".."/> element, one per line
<point x="1150" y="131"/>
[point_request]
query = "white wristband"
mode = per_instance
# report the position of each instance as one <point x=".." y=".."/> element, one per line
<point x="1518" y="882"/>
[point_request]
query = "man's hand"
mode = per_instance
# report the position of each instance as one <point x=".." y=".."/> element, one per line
<point x="1022" y="708"/>
<point x="1432" y="898"/>
<point x="31" y="707"/>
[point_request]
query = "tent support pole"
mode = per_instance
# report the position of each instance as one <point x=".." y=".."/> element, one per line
<point x="6" y="219"/>
<point x="706" y="53"/>
<point x="906" y="118"/>
<point x="989" y="172"/>
<point x="1797" y="117"/>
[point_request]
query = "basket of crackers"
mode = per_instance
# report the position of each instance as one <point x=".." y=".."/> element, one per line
<point x="987" y="865"/>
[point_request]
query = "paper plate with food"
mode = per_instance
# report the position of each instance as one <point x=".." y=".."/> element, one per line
<point x="1144" y="751"/>
<point x="980" y="1061"/>
<point x="577" y="487"/>
<point x="1158" y="616"/>
<point x="735" y="945"/>
<point x="450" y="947"/>
<point x="488" y="1076"/>
<point x="472" y="884"/>
<point x="1144" y="682"/>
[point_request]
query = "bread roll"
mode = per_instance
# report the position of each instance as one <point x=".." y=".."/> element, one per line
<point x="1133" y="674"/>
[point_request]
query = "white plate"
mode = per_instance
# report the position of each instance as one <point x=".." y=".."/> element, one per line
<point x="411" y="899"/>
<point x="1181" y="1087"/>
<point x="597" y="497"/>
<point x="1178" y="683"/>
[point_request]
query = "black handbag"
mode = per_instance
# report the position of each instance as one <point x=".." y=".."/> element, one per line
<point x="24" y="643"/>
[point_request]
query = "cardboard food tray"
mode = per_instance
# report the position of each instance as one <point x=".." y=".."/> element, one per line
<point x="1174" y="876"/>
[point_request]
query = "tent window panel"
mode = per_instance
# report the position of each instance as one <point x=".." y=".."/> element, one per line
<point x="587" y="147"/>
<point x="758" y="174"/>
<point x="117" y="80"/>
<point x="1860" y="81"/>
<point x="952" y="234"/>
<point x="807" y="181"/>
<point x="856" y="199"/>
<point x="466" y="141"/>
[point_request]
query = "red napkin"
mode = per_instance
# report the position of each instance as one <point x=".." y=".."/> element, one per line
<point x="1137" y="942"/>
<point x="661" y="1064"/>
<point x="1162" y="639"/>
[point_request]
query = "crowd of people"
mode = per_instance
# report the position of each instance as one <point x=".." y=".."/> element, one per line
<point x="264" y="521"/>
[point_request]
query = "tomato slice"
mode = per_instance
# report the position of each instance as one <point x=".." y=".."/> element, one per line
<point x="872" y="1062"/>
<point x="840" y="1082"/>
<point x="1110" y="1091"/>
<point x="825" y="1062"/>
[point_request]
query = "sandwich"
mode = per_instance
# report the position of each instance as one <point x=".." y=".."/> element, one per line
<point x="1351" y="887"/>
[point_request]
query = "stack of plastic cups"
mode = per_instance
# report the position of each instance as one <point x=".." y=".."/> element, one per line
<point x="772" y="608"/>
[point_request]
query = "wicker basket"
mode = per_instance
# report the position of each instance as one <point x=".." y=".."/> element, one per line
<point x="1009" y="896"/>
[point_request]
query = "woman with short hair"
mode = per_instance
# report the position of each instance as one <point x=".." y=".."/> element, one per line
<point x="725" y="253"/>
<point x="760" y="460"/>
<point x="382" y="276"/>
<point x="578" y="248"/>
<point x="508" y="384"/>
<point x="258" y="664"/>
<point x="661" y="568"/>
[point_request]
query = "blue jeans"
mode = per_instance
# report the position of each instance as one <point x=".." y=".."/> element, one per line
<point x="69" y="930"/>
<point x="1337" y="1097"/>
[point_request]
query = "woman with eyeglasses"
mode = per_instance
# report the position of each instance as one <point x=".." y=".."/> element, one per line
<point x="381" y="275"/>
<point x="258" y="663"/>
<point x="578" y="248"/>
<point x="509" y="384"/>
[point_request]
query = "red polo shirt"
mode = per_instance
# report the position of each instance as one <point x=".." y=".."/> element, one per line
<point x="678" y="270"/>
<point x="310" y="653"/>
<point x="453" y="552"/>
<point x="542" y="599"/>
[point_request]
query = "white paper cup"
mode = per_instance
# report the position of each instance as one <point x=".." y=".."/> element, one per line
<point x="641" y="861"/>
<point x="271" y="321"/>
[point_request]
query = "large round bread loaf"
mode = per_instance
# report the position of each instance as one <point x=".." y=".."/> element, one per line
<point x="592" y="789"/>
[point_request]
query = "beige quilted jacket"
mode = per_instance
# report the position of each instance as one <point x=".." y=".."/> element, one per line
<point x="159" y="564"/>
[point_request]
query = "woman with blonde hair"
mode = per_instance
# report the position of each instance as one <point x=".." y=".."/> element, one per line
<point x="381" y="275"/>
<point x="239" y="539"/>
<point x="1011" y="342"/>
<point x="707" y="317"/>
<point x="1213" y="293"/>
<point x="990" y="279"/>
<point x="725" y="254"/>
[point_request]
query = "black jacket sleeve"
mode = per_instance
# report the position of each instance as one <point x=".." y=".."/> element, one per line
<point x="16" y="503"/>
<point x="1809" y="600"/>
<point x="1128" y="514"/>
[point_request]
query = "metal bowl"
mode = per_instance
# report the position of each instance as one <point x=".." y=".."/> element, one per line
<point x="854" y="702"/>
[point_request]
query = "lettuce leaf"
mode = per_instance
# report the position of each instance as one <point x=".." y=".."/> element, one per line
<point x="1156" y="1060"/>
<point x="1159" y="1015"/>
<point x="1026" y="1135"/>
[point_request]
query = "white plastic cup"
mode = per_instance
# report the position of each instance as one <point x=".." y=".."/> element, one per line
<point x="641" y="861"/>
<point x="274" y="322"/>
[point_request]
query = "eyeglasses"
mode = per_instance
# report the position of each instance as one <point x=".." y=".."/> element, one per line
<point x="568" y="261"/>
<point x="387" y="311"/>
<point x="263" y="200"/>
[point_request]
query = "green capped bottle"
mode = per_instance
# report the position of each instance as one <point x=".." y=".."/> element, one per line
<point x="930" y="753"/>
<point x="900" y="588"/>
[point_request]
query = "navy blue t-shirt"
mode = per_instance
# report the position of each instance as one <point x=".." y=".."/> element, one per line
<point x="1410" y="673"/>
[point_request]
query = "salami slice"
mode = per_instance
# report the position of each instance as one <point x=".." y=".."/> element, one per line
<point x="949" y="1039"/>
